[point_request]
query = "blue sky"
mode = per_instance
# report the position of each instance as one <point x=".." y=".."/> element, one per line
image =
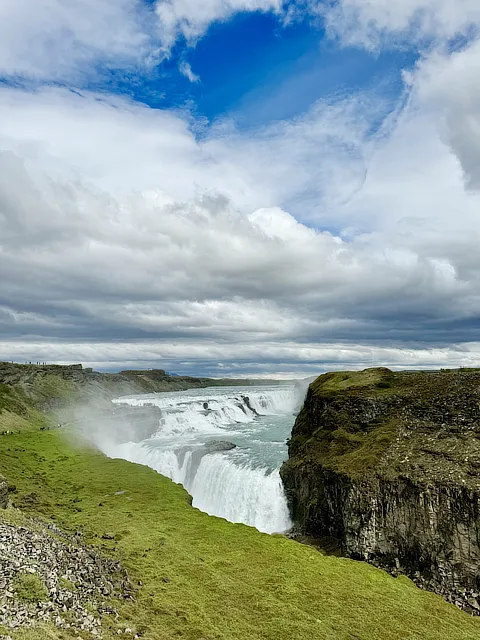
<point x="255" y="69"/>
<point x="240" y="187"/>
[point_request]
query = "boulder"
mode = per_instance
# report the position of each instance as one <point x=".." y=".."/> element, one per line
<point x="3" y="492"/>
<point x="219" y="445"/>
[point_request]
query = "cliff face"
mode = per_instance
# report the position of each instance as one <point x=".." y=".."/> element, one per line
<point x="388" y="464"/>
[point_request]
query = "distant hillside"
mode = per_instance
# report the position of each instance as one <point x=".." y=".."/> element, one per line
<point x="27" y="389"/>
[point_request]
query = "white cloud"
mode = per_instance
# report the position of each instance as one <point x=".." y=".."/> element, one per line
<point x="449" y="86"/>
<point x="52" y="39"/>
<point x="240" y="360"/>
<point x="214" y="270"/>
<point x="186" y="70"/>
<point x="136" y="235"/>
<point x="191" y="18"/>
<point x="383" y="22"/>
<point x="305" y="165"/>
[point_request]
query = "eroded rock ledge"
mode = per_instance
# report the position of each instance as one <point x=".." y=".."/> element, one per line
<point x="388" y="464"/>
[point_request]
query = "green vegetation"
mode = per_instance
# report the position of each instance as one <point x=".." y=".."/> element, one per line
<point x="356" y="453"/>
<point x="13" y="400"/>
<point x="30" y="588"/>
<point x="199" y="577"/>
<point x="63" y="583"/>
<point x="341" y="380"/>
<point x="423" y="424"/>
<point x="344" y="440"/>
<point x="17" y="411"/>
<point x="341" y="445"/>
<point x="53" y="387"/>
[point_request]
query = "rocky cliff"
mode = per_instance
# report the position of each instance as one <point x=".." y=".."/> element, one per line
<point x="388" y="465"/>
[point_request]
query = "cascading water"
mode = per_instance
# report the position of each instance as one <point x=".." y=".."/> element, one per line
<point x="194" y="446"/>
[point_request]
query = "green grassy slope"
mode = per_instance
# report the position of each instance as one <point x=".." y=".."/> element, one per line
<point x="205" y="578"/>
<point x="16" y="410"/>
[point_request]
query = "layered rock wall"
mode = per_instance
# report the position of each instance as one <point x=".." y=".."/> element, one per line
<point x="391" y="470"/>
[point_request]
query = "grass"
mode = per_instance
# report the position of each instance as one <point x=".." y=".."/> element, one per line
<point x="341" y="380"/>
<point x="29" y="587"/>
<point x="353" y="453"/>
<point x="16" y="411"/>
<point x="64" y="583"/>
<point x="54" y="386"/>
<point x="338" y="436"/>
<point x="205" y="578"/>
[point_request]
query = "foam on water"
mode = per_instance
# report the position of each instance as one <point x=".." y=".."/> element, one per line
<point x="240" y="493"/>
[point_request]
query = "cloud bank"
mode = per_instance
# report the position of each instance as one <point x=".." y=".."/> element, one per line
<point x="141" y="237"/>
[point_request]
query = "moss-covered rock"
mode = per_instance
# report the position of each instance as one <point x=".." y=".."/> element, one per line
<point x="3" y="492"/>
<point x="389" y="465"/>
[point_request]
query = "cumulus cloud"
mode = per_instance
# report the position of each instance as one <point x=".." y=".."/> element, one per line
<point x="301" y="164"/>
<point x="133" y="236"/>
<point x="241" y="360"/>
<point x="382" y="22"/>
<point x="449" y="85"/>
<point x="51" y="39"/>
<point x="92" y="253"/>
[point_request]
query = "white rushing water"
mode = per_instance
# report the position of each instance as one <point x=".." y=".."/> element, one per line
<point x="241" y="484"/>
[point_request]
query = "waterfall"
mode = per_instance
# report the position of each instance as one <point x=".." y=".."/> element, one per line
<point x="240" y="493"/>
<point x="237" y="484"/>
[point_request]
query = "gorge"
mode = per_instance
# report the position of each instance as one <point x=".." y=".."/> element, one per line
<point x="356" y="456"/>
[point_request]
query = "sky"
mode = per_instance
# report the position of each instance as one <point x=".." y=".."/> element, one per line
<point x="268" y="188"/>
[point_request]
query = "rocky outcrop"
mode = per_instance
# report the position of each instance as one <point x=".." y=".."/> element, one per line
<point x="3" y="492"/>
<point x="388" y="464"/>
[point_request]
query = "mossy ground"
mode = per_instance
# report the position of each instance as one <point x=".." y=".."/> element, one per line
<point x="422" y="424"/>
<point x="53" y="386"/>
<point x="356" y="453"/>
<point x="380" y="378"/>
<point x="17" y="411"/>
<point x="205" y="578"/>
<point x="338" y="437"/>
<point x="29" y="587"/>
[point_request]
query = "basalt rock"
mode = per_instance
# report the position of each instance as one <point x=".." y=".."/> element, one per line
<point x="3" y="492"/>
<point x="219" y="445"/>
<point x="388" y="465"/>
